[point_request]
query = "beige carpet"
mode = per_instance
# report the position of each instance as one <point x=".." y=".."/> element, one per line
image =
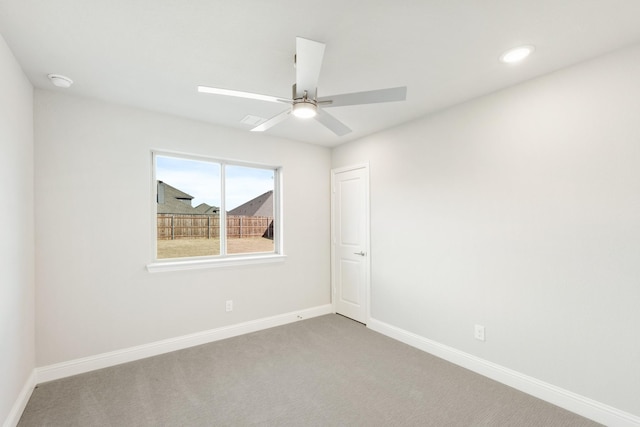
<point x="326" y="371"/>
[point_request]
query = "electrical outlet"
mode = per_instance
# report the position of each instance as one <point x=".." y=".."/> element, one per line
<point x="479" y="332"/>
<point x="229" y="305"/>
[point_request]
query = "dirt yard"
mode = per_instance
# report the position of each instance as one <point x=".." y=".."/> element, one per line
<point x="207" y="247"/>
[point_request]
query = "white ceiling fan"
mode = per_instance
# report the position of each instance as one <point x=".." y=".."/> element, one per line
<point x="305" y="102"/>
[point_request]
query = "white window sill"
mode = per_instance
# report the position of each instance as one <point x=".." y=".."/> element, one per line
<point x="197" y="264"/>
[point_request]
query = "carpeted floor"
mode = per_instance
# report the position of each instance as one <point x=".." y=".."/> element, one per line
<point x="325" y="371"/>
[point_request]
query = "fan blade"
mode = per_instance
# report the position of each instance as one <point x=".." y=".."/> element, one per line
<point x="368" y="97"/>
<point x="272" y="122"/>
<point x="308" y="63"/>
<point x="333" y="124"/>
<point x="239" y="94"/>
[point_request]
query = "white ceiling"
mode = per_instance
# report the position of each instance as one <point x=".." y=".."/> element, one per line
<point x="153" y="53"/>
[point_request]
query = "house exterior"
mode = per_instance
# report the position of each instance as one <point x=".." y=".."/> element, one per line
<point x="173" y="201"/>
<point x="259" y="206"/>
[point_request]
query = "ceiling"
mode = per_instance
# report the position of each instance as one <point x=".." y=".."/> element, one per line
<point x="153" y="54"/>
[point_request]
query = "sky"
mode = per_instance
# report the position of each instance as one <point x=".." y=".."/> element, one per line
<point x="201" y="179"/>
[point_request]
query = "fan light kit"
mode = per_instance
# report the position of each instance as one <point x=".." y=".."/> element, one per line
<point x="304" y="108"/>
<point x="60" y="81"/>
<point x="516" y="54"/>
<point x="308" y="61"/>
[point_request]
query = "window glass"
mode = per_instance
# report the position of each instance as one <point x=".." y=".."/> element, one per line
<point x="195" y="220"/>
<point x="250" y="203"/>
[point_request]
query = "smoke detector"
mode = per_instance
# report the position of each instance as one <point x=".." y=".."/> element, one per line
<point x="60" y="81"/>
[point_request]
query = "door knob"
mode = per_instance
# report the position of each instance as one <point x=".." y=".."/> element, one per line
<point x="359" y="253"/>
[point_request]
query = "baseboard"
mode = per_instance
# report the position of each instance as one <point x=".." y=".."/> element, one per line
<point x="105" y="360"/>
<point x="21" y="402"/>
<point x="568" y="400"/>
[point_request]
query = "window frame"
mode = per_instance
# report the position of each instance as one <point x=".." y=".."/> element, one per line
<point x="222" y="260"/>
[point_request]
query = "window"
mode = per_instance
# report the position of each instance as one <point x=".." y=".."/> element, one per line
<point x="209" y="211"/>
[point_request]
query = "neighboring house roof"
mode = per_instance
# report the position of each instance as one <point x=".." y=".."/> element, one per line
<point x="260" y="206"/>
<point x="174" y="201"/>
<point x="204" y="208"/>
<point x="174" y="192"/>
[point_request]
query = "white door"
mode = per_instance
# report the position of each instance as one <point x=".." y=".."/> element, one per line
<point x="350" y="241"/>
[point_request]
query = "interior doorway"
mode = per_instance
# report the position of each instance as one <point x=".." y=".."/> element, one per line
<point x="350" y="260"/>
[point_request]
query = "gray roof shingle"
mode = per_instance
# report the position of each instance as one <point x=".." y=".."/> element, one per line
<point x="259" y="206"/>
<point x="174" y="201"/>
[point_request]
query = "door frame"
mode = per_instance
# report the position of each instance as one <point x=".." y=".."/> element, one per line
<point x="367" y="244"/>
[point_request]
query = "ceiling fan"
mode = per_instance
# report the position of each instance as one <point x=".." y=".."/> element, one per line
<point x="305" y="102"/>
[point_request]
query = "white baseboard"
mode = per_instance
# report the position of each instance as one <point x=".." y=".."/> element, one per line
<point x="21" y="401"/>
<point x="104" y="360"/>
<point x="568" y="400"/>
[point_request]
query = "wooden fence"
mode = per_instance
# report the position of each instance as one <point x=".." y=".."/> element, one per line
<point x="189" y="226"/>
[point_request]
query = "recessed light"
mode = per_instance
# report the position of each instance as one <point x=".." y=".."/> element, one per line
<point x="60" y="81"/>
<point x="516" y="54"/>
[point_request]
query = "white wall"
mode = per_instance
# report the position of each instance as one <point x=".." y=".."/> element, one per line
<point x="17" y="351"/>
<point x="519" y="211"/>
<point x="93" y="231"/>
